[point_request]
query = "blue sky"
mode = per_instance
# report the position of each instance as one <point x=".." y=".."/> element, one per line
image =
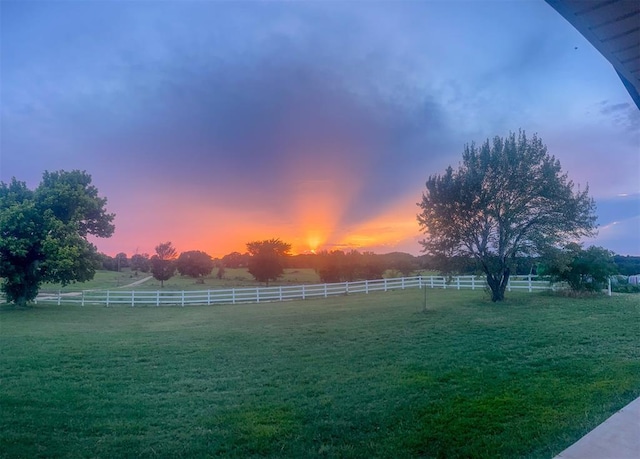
<point x="214" y="123"/>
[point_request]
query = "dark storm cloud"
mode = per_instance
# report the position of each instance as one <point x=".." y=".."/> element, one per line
<point x="247" y="126"/>
<point x="249" y="104"/>
<point x="210" y="121"/>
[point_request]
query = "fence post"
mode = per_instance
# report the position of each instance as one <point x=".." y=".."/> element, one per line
<point x="473" y="282"/>
<point x="303" y="294"/>
<point x="133" y="296"/>
<point x="385" y="285"/>
<point x="346" y="288"/>
<point x="182" y="299"/>
<point x="529" y="283"/>
<point x="420" y="281"/>
<point x="325" y="290"/>
<point x="458" y="282"/>
<point x="107" y="298"/>
<point x="233" y="296"/>
<point x="609" y="287"/>
<point x="257" y="294"/>
<point x="59" y="297"/>
<point x="157" y="297"/>
<point x="366" y="286"/>
<point x="509" y="284"/>
<point x="431" y="278"/>
<point x="82" y="298"/>
<point x="208" y="297"/>
<point x="403" y="283"/>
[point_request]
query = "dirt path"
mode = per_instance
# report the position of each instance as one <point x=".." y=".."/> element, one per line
<point x="138" y="282"/>
<point x="46" y="296"/>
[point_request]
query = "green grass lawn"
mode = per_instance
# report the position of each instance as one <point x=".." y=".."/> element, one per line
<point x="356" y="376"/>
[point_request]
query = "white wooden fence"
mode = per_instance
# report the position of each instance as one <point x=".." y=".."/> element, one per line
<point x="279" y="293"/>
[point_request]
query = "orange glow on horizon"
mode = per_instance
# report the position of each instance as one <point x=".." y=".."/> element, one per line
<point x="392" y="227"/>
<point x="314" y="226"/>
<point x="321" y="193"/>
<point x="318" y="195"/>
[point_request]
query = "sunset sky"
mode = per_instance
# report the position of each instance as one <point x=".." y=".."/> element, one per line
<point x="211" y="124"/>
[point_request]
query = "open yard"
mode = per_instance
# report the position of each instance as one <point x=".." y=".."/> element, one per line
<point x="357" y="376"/>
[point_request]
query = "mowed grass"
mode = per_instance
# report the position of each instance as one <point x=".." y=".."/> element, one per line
<point x="357" y="376"/>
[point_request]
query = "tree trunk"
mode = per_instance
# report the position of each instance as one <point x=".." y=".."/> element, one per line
<point x="498" y="284"/>
<point x="21" y="301"/>
<point x="497" y="294"/>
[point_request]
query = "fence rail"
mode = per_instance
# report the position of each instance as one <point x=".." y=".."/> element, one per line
<point x="279" y="293"/>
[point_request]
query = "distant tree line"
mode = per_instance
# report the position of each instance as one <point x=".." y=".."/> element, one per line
<point x="508" y="209"/>
<point x="338" y="265"/>
<point x="627" y="265"/>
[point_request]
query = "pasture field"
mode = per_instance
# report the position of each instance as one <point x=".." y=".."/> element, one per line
<point x="234" y="277"/>
<point x="355" y="376"/>
<point x="103" y="280"/>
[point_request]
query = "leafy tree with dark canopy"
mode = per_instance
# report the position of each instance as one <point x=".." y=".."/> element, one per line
<point x="163" y="265"/>
<point x="584" y="270"/>
<point x="267" y="259"/>
<point x="508" y="198"/>
<point x="43" y="233"/>
<point x="140" y="262"/>
<point x="194" y="264"/>
<point x="235" y="260"/>
<point x="121" y="261"/>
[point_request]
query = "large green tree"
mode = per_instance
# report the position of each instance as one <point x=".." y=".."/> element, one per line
<point x="267" y="259"/>
<point x="508" y="198"/>
<point x="43" y="232"/>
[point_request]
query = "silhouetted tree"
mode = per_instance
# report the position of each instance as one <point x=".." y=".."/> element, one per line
<point x="236" y="260"/>
<point x="107" y="263"/>
<point x="163" y="262"/>
<point x="402" y="262"/>
<point x="337" y="266"/>
<point x="140" y="262"/>
<point x="43" y="233"/>
<point x="371" y="266"/>
<point x="121" y="261"/>
<point x="332" y="266"/>
<point x="194" y="264"/>
<point x="507" y="199"/>
<point x="329" y="273"/>
<point x="267" y="259"/>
